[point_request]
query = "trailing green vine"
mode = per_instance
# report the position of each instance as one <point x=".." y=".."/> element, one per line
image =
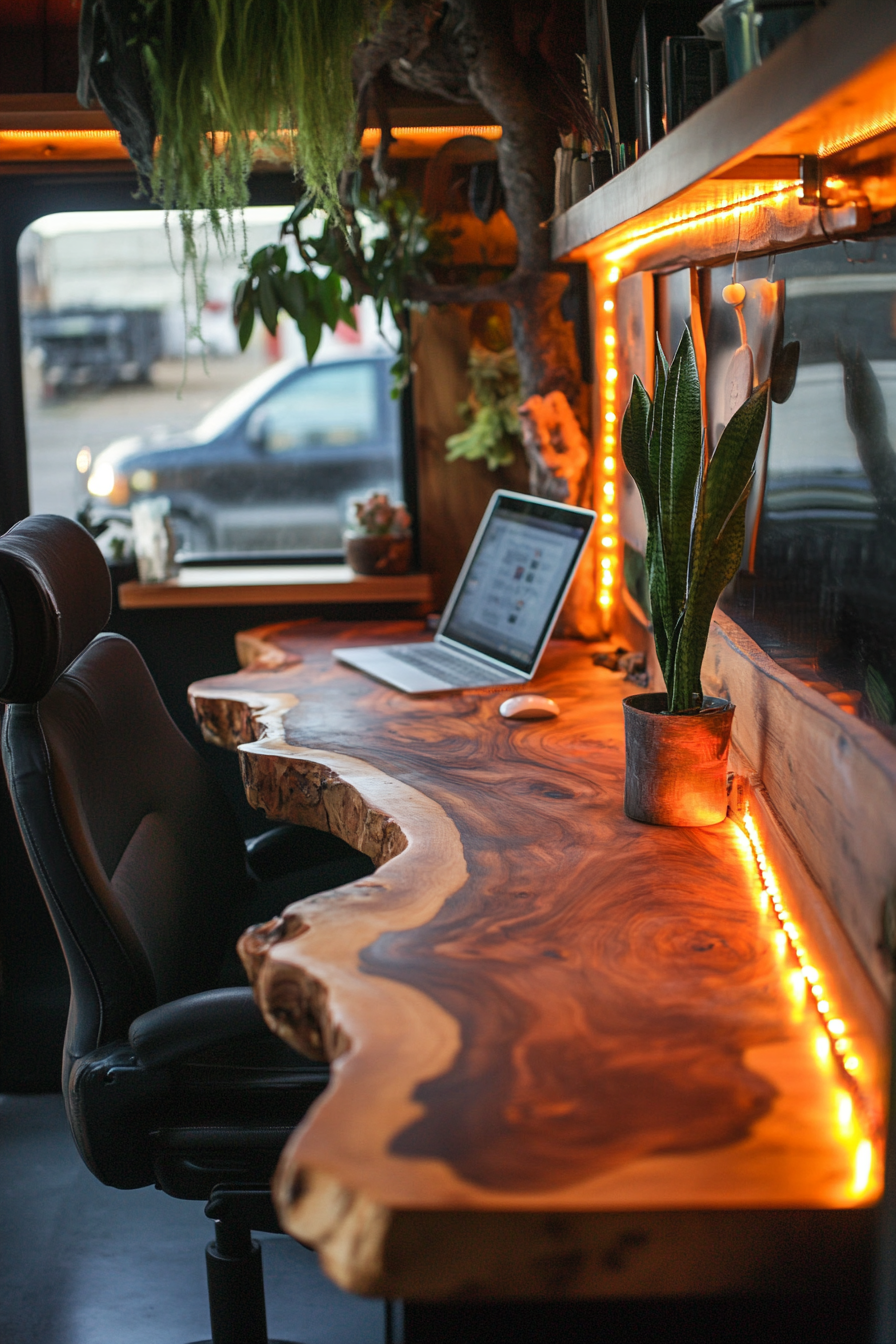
<point x="372" y="248"/>
<point x="218" y="80"/>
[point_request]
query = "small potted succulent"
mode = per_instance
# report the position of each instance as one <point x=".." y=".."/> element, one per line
<point x="378" y="537"/>
<point x="676" y="743"/>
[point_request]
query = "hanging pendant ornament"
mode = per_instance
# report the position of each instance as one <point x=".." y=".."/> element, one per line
<point x="739" y="375"/>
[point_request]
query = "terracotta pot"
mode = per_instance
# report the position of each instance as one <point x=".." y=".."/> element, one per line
<point x="379" y="555"/>
<point x="676" y="765"/>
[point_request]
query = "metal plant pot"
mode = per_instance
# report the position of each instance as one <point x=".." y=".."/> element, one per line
<point x="676" y="765"/>
<point x="379" y="555"/>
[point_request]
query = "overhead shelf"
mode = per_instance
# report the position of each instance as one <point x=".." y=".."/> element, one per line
<point x="734" y="176"/>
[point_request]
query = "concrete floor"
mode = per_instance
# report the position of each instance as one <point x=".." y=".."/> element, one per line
<point x="84" y="1264"/>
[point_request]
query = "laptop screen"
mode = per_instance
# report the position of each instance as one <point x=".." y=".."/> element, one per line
<point x="516" y="578"/>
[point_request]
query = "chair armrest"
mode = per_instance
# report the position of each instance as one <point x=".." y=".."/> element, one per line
<point x="179" y="1029"/>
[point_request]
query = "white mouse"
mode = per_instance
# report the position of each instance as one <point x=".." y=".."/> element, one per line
<point x="529" y="707"/>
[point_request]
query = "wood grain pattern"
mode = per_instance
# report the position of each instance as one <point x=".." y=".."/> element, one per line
<point x="535" y="1006"/>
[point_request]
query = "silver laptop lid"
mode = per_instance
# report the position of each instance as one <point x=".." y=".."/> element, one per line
<point x="517" y="573"/>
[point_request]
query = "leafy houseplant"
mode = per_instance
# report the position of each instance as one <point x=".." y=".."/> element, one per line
<point x="372" y="249"/>
<point x="378" y="538"/>
<point x="695" y="505"/>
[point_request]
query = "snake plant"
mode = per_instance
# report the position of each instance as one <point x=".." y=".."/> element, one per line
<point x="695" y="505"/>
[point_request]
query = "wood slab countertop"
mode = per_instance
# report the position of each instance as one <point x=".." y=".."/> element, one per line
<point x="570" y="1057"/>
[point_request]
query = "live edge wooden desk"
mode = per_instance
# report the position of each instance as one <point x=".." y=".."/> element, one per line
<point x="568" y="1056"/>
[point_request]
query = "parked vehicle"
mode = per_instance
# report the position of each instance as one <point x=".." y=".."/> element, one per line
<point x="95" y="346"/>
<point x="272" y="467"/>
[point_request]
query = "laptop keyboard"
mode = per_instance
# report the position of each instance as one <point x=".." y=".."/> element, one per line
<point x="450" y="667"/>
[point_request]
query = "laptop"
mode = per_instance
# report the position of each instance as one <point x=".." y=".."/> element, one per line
<point x="503" y="607"/>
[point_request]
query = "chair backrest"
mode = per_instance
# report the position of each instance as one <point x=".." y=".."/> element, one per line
<point x="132" y="841"/>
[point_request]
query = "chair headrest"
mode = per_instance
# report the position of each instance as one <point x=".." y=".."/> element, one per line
<point x="55" y="596"/>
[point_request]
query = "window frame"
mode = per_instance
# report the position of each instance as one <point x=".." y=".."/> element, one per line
<point x="26" y="196"/>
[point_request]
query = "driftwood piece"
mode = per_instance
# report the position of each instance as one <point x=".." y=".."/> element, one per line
<point x="560" y="467"/>
<point x="567" y="1054"/>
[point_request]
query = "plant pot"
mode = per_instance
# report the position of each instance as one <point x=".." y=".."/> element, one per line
<point x="379" y="555"/>
<point x="676" y="765"/>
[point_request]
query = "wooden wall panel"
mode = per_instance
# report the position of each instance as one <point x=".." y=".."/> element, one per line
<point x="830" y="778"/>
<point x="452" y="495"/>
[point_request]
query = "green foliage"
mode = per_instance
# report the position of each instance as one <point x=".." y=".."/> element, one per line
<point x="374" y="248"/>
<point x="490" y="411"/>
<point x="239" y="75"/>
<point x="695" y="510"/>
<point x="879" y="696"/>
<point x="312" y="301"/>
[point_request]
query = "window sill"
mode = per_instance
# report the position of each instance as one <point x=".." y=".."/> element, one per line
<point x="269" y="585"/>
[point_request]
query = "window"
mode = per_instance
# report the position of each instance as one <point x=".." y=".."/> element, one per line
<point x="256" y="451"/>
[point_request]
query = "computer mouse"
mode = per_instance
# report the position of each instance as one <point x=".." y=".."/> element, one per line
<point x="529" y="707"/>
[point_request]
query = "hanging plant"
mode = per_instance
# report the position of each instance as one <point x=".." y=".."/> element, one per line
<point x="372" y="249"/>
<point x="218" y="80"/>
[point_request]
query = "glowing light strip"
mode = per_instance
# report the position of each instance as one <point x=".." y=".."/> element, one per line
<point x="680" y="224"/>
<point x="833" y="1025"/>
<point x="832" y="1043"/>
<point x="373" y="135"/>
<point x="41" y="136"/>
<point x="865" y="130"/>
<point x="606" y="501"/>
<point x="44" y="144"/>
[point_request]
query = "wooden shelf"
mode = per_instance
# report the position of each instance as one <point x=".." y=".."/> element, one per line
<point x="270" y="585"/>
<point x="828" y="91"/>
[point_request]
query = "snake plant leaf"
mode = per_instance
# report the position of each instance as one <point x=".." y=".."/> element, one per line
<point x="731" y="465"/>
<point x="721" y="562"/>
<point x="634" y="439"/>
<point x="656" y="418"/>
<point x="695" y="515"/>
<point x="680" y="465"/>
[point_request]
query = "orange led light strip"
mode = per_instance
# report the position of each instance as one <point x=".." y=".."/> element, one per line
<point x="837" y="1042"/>
<point x="679" y="224"/>
<point x="373" y="135"/>
<point x="48" y="142"/>
<point x="606" y="503"/>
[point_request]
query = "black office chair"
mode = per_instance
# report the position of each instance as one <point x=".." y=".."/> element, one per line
<point x="169" y="1073"/>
